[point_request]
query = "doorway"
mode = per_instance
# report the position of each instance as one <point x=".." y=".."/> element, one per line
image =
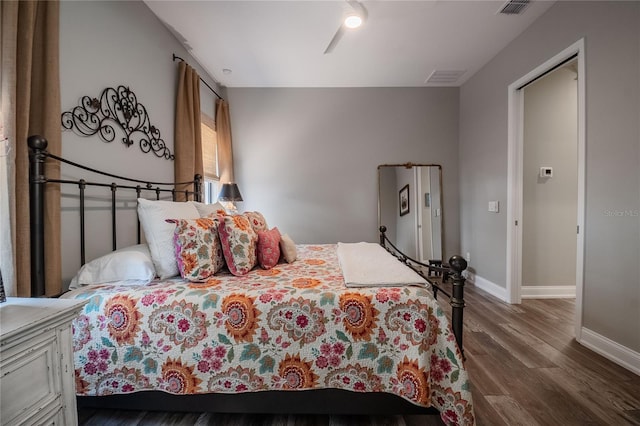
<point x="530" y="200"/>
<point x="549" y="180"/>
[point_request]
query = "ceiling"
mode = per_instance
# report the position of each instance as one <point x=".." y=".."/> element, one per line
<point x="281" y="43"/>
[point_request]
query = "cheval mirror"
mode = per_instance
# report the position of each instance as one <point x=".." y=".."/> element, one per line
<point x="410" y="206"/>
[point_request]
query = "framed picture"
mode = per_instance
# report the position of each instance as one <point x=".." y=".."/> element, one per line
<point x="404" y="200"/>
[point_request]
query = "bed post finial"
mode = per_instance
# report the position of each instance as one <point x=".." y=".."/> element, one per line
<point x="37" y="179"/>
<point x="197" y="187"/>
<point x="457" y="264"/>
<point x="37" y="143"/>
<point x="383" y="229"/>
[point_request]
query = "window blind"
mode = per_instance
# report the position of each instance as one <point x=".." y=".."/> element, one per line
<point x="209" y="148"/>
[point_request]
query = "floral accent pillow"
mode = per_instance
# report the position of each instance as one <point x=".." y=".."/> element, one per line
<point x="268" y="248"/>
<point x="197" y="247"/>
<point x="257" y="220"/>
<point x="239" y="243"/>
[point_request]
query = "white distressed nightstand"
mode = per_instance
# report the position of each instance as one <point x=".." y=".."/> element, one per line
<point x="37" y="380"/>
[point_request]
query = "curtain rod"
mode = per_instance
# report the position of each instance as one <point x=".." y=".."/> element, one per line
<point x="205" y="83"/>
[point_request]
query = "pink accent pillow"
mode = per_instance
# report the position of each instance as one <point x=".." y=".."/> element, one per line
<point x="239" y="243"/>
<point x="257" y="220"/>
<point x="197" y="247"/>
<point x="268" y="248"/>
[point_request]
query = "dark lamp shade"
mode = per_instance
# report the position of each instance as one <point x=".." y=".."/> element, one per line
<point x="229" y="192"/>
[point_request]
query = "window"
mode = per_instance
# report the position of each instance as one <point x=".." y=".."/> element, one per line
<point x="210" y="158"/>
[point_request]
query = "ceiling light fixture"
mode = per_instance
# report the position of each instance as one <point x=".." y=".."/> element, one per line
<point x="352" y="21"/>
<point x="355" y="16"/>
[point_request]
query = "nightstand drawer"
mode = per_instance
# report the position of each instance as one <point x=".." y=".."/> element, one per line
<point x="53" y="416"/>
<point x="30" y="381"/>
<point x="37" y="385"/>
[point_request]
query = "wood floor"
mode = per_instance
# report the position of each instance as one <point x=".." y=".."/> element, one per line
<point x="525" y="369"/>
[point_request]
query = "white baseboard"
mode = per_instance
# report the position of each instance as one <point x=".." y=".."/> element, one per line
<point x="486" y="285"/>
<point x="549" y="292"/>
<point x="611" y="350"/>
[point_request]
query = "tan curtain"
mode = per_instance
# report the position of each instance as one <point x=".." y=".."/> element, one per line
<point x="31" y="105"/>
<point x="225" y="149"/>
<point x="187" y="140"/>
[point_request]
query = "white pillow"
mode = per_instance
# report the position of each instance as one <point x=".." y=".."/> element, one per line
<point x="159" y="234"/>
<point x="288" y="249"/>
<point x="207" y="209"/>
<point x="130" y="265"/>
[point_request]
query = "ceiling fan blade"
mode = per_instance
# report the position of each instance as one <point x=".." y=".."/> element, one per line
<point x="334" y="41"/>
<point x="359" y="9"/>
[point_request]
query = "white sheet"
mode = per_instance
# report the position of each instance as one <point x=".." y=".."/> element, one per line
<point x="370" y="265"/>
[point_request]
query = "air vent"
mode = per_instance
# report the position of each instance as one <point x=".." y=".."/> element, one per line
<point x="514" y="7"/>
<point x="445" y="76"/>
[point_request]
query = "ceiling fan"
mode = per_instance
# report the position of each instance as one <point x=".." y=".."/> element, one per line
<point x="354" y="17"/>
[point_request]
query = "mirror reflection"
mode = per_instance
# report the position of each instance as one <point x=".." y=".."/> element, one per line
<point x="410" y="206"/>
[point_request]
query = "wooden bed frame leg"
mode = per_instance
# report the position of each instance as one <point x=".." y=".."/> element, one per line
<point x="37" y="179"/>
<point x="457" y="264"/>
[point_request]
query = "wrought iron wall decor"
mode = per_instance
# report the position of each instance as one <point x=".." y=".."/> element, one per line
<point x="117" y="108"/>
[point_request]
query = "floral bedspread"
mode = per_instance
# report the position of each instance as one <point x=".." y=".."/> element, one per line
<point x="295" y="326"/>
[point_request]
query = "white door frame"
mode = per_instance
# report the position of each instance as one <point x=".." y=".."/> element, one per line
<point x="417" y="182"/>
<point x="514" y="173"/>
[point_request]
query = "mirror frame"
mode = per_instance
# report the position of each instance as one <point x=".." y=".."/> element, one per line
<point x="410" y="165"/>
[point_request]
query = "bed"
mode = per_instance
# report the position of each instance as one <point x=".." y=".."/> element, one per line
<point x="294" y="338"/>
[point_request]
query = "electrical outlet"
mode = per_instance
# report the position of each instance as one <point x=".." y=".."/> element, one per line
<point x="468" y="257"/>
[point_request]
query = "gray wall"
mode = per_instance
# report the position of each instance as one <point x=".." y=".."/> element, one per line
<point x="550" y="205"/>
<point x="612" y="235"/>
<point x="307" y="158"/>
<point x="106" y="44"/>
